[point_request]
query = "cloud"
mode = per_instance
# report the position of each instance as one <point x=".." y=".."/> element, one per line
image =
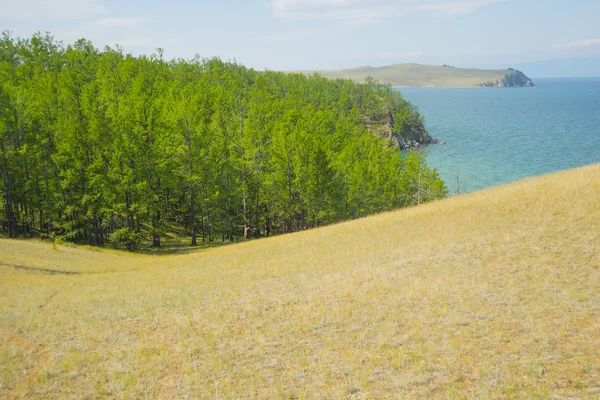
<point x="49" y="10"/>
<point x="284" y="5"/>
<point x="298" y="36"/>
<point x="132" y="42"/>
<point x="116" y="23"/>
<point x="578" y="44"/>
<point x="371" y="10"/>
<point x="399" y="55"/>
<point x="455" y="7"/>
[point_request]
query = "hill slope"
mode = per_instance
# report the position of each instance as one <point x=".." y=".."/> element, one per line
<point x="489" y="295"/>
<point x="426" y="75"/>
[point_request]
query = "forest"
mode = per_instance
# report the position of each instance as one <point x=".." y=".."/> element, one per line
<point x="101" y="147"/>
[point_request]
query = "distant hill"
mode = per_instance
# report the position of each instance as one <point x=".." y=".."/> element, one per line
<point x="430" y="75"/>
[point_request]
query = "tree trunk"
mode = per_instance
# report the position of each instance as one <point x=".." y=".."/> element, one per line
<point x="10" y="212"/>
<point x="12" y="221"/>
<point x="246" y="225"/>
<point x="203" y="230"/>
<point x="155" y="233"/>
<point x="268" y="226"/>
<point x="193" y="216"/>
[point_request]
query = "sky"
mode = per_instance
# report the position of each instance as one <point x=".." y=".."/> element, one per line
<point x="331" y="34"/>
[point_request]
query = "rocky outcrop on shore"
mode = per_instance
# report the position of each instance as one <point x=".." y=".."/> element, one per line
<point x="514" y="78"/>
<point x="413" y="142"/>
<point x="409" y="137"/>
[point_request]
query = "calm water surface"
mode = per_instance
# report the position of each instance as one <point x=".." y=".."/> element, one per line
<point x="495" y="136"/>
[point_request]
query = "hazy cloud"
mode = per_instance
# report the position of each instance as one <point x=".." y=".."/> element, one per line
<point x="578" y="44"/>
<point x="115" y="23"/>
<point x="49" y="10"/>
<point x="399" y="55"/>
<point x="298" y="36"/>
<point x="132" y="42"/>
<point x="284" y="5"/>
<point x="371" y="10"/>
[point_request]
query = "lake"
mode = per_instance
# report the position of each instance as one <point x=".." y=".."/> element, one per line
<point x="499" y="135"/>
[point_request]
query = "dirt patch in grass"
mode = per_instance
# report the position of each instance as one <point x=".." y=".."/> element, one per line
<point x="36" y="355"/>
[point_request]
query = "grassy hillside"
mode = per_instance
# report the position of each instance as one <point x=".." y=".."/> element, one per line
<point x="495" y="294"/>
<point x="419" y="75"/>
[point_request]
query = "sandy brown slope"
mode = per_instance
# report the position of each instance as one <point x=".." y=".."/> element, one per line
<point x="418" y="75"/>
<point x="494" y="294"/>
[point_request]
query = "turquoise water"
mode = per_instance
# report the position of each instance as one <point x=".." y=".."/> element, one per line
<point x="496" y="136"/>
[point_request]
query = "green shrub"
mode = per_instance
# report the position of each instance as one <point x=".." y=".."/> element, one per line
<point x="126" y="237"/>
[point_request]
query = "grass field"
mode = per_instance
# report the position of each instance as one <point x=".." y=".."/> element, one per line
<point x="495" y="294"/>
<point x="418" y="75"/>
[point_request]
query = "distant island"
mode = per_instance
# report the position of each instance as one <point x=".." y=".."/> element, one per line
<point x="431" y="75"/>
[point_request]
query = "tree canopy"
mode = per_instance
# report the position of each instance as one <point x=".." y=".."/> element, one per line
<point x="99" y="146"/>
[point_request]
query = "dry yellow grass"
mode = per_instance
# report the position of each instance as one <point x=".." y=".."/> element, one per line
<point x="495" y="294"/>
